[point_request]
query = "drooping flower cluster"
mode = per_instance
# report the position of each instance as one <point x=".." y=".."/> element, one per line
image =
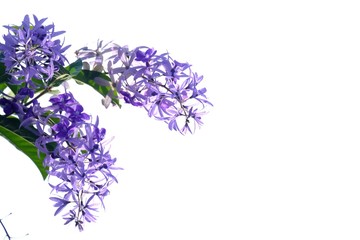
<point x="30" y="51"/>
<point x="167" y="89"/>
<point x="76" y="156"/>
<point x="79" y="164"/>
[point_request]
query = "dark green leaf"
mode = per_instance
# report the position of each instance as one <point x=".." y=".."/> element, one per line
<point x="23" y="140"/>
<point x="14" y="88"/>
<point x="75" y="67"/>
<point x="66" y="73"/>
<point x="86" y="76"/>
<point x="3" y="76"/>
<point x="2" y="86"/>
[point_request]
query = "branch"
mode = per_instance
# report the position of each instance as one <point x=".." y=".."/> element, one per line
<point x="6" y="232"/>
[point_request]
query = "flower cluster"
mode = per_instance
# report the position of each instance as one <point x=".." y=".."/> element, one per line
<point x="30" y="51"/>
<point x="167" y="89"/>
<point x="78" y="163"/>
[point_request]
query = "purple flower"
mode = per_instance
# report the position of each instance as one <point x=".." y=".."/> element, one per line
<point x="130" y="99"/>
<point x="10" y="106"/>
<point x="59" y="203"/>
<point x="30" y="51"/>
<point x="167" y="89"/>
<point x="145" y="56"/>
<point x="25" y="92"/>
<point x="61" y="129"/>
<point x="80" y="166"/>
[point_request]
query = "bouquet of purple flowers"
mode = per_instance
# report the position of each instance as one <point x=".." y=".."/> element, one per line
<point x="69" y="146"/>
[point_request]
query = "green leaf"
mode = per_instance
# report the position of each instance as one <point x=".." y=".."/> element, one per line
<point x="23" y="140"/>
<point x="75" y="67"/>
<point x="5" y="79"/>
<point x="3" y="76"/>
<point x="2" y="86"/>
<point x="88" y="77"/>
<point x="66" y="73"/>
<point x="15" y="88"/>
<point x="2" y="69"/>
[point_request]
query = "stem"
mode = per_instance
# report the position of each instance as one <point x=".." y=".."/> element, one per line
<point x="46" y="90"/>
<point x="6" y="232"/>
<point x="2" y="92"/>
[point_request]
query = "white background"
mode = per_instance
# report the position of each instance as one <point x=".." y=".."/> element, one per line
<point x="278" y="155"/>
